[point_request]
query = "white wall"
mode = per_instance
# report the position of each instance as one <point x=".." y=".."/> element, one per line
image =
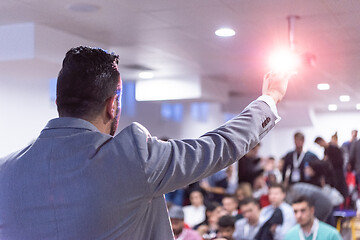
<point x="24" y="111"/>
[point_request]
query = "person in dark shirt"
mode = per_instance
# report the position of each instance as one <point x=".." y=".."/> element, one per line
<point x="296" y="161"/>
<point x="333" y="155"/>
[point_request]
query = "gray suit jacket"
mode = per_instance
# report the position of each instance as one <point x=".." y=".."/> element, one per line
<point x="74" y="182"/>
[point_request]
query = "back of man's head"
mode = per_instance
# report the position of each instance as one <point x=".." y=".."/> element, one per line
<point x="89" y="76"/>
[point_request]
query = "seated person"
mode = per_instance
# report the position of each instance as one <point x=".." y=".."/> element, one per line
<point x="209" y="227"/>
<point x="226" y="227"/>
<point x="177" y="222"/>
<point x="215" y="186"/>
<point x="276" y="197"/>
<point x="195" y="213"/>
<point x="309" y="227"/>
<point x="247" y="227"/>
<point x="231" y="206"/>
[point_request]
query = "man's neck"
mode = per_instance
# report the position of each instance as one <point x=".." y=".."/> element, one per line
<point x="307" y="227"/>
<point x="275" y="205"/>
<point x="254" y="222"/>
<point x="299" y="150"/>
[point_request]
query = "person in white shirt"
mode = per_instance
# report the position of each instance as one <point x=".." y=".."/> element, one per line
<point x="276" y="198"/>
<point x="247" y="227"/>
<point x="195" y="213"/>
<point x="231" y="206"/>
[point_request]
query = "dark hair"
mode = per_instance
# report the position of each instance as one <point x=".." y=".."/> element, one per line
<point x="248" y="200"/>
<point x="278" y="185"/>
<point x="299" y="135"/>
<point x="211" y="206"/>
<point x="88" y="77"/>
<point x="233" y="197"/>
<point x="226" y="221"/>
<point x="304" y="198"/>
<point x="318" y="139"/>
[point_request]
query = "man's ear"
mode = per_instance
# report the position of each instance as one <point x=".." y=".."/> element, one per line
<point x="312" y="209"/>
<point x="111" y="107"/>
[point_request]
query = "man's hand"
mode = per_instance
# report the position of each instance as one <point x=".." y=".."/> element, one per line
<point x="275" y="85"/>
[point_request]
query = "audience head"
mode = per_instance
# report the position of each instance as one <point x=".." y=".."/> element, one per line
<point x="196" y="198"/>
<point x="277" y="194"/>
<point x="299" y="140"/>
<point x="230" y="204"/>
<point x="244" y="190"/>
<point x="334" y="139"/>
<point x="177" y="219"/>
<point x="88" y="80"/>
<point x="259" y="182"/>
<point x="271" y="178"/>
<point x="354" y="134"/>
<point x="250" y="209"/>
<point x="320" y="141"/>
<point x="226" y="227"/>
<point x="214" y="211"/>
<point x="304" y="211"/>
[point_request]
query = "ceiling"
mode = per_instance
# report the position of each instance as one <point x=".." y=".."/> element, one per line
<point x="175" y="39"/>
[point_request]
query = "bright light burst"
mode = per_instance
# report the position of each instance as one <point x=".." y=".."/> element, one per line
<point x="284" y="61"/>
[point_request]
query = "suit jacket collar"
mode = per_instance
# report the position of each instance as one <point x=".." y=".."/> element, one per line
<point x="69" y="122"/>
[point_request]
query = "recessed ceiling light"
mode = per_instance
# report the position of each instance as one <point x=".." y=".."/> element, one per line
<point x="83" y="7"/>
<point x="358" y="106"/>
<point x="146" y="75"/>
<point x="323" y="86"/>
<point x="344" y="98"/>
<point x="332" y="107"/>
<point x="225" y="32"/>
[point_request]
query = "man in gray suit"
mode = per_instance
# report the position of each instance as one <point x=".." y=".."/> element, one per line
<point x="79" y="181"/>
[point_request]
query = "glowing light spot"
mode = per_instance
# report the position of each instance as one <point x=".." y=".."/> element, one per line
<point x="332" y="107"/>
<point x="284" y="61"/>
<point x="225" y="32"/>
<point x="323" y="86"/>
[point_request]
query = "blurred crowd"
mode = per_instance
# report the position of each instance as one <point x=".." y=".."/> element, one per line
<point x="254" y="198"/>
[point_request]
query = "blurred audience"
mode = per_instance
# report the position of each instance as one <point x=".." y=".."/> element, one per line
<point x="260" y="190"/>
<point x="309" y="227"/>
<point x="254" y="207"/>
<point x="177" y="222"/>
<point x="277" y="196"/>
<point x="226" y="227"/>
<point x="354" y="159"/>
<point x="346" y="146"/>
<point x="195" y="213"/>
<point x="231" y="206"/>
<point x="334" y="156"/>
<point x="247" y="227"/>
<point x="322" y="202"/>
<point x="271" y="171"/>
<point x="249" y="166"/>
<point x="215" y="186"/>
<point x="244" y="190"/>
<point x="209" y="227"/>
<point x="296" y="161"/>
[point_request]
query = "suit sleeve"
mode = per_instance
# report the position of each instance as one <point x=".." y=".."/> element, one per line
<point x="177" y="163"/>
